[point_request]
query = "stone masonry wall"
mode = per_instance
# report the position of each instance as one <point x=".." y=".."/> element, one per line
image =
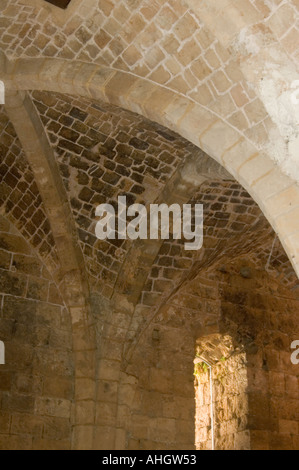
<point x="145" y="396"/>
<point x="265" y="314"/>
<point x="255" y="384"/>
<point x="36" y="384"/>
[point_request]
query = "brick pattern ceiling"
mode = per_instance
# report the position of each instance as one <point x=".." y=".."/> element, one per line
<point x="104" y="151"/>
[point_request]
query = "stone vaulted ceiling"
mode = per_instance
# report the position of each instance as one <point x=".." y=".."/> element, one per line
<point x="201" y="54"/>
<point x="178" y="101"/>
<point x="102" y="152"/>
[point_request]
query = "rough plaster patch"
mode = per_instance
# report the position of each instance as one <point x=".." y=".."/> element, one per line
<point x="277" y="94"/>
<point x="247" y="42"/>
<point x="273" y="77"/>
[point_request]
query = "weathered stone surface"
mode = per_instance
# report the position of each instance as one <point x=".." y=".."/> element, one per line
<point x="121" y="373"/>
<point x="31" y="330"/>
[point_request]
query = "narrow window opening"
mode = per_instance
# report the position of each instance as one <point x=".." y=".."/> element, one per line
<point x="221" y="382"/>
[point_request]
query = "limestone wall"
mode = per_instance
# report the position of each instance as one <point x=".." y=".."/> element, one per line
<point x="37" y="382"/>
